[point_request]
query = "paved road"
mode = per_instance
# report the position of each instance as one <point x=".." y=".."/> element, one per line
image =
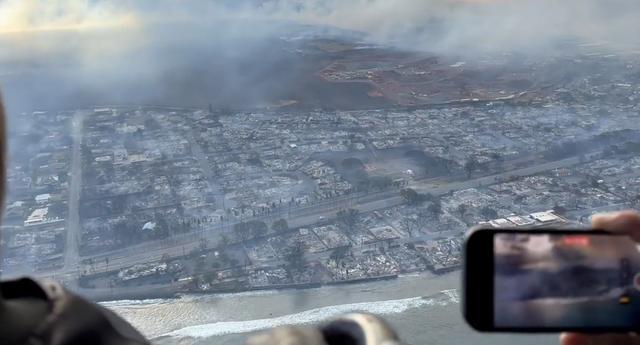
<point x="439" y="189"/>
<point x="71" y="256"/>
<point x="298" y="216"/>
<point x="181" y="245"/>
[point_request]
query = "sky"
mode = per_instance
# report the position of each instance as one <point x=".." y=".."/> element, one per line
<point x="56" y="51"/>
<point x="479" y="24"/>
<point x="29" y="15"/>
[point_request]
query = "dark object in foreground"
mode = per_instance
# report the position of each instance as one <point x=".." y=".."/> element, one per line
<point x="350" y="329"/>
<point x="551" y="280"/>
<point x="58" y="317"/>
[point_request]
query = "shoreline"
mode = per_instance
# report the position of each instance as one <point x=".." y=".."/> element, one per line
<point x="296" y="286"/>
<point x="250" y="307"/>
<point x="174" y="292"/>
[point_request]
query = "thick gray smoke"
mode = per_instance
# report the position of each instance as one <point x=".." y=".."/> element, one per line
<point x="462" y="27"/>
<point x="62" y="54"/>
<point x="84" y="59"/>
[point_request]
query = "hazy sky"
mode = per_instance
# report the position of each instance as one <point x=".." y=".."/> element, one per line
<point x="497" y="24"/>
<point x="61" y="51"/>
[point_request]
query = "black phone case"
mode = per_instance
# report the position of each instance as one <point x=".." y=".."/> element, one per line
<point x="478" y="275"/>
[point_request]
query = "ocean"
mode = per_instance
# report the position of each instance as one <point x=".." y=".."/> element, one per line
<point x="423" y="308"/>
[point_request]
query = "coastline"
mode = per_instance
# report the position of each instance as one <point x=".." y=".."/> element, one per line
<point x="174" y="292"/>
<point x="135" y="293"/>
<point x="216" y="312"/>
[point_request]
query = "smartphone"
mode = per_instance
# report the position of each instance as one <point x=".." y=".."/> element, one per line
<point x="551" y="280"/>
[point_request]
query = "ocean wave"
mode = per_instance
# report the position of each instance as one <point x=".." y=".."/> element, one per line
<point x="187" y="297"/>
<point x="135" y="302"/>
<point x="453" y="295"/>
<point x="313" y="315"/>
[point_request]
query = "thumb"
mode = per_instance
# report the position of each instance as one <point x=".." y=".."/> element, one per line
<point x="599" y="339"/>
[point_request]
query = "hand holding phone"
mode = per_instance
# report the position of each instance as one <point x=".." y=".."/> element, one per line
<point x="627" y="222"/>
<point x="548" y="280"/>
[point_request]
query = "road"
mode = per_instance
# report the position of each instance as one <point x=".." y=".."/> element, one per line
<point x="439" y="189"/>
<point x="210" y="178"/>
<point x="183" y="244"/>
<point x="71" y="252"/>
<point x="296" y="217"/>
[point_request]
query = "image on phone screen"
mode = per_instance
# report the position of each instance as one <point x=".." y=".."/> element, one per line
<point x="565" y="280"/>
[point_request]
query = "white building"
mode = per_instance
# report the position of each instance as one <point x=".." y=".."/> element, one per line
<point x="42" y="199"/>
<point x="103" y="111"/>
<point x="149" y="226"/>
<point x="544" y="217"/>
<point x="38" y="216"/>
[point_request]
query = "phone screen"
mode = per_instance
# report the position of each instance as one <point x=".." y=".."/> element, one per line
<point x="566" y="281"/>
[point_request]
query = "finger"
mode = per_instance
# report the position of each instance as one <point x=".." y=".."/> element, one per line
<point x="574" y="339"/>
<point x="624" y="222"/>
<point x="288" y="335"/>
<point x="600" y="339"/>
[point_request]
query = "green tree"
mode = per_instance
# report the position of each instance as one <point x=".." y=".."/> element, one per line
<point x="498" y="158"/>
<point x="125" y="233"/>
<point x="200" y="263"/>
<point x="250" y="229"/>
<point x="224" y="240"/>
<point x="339" y="253"/>
<point x="409" y="225"/>
<point x="410" y="196"/>
<point x="348" y="217"/>
<point x="242" y="231"/>
<point x="380" y="182"/>
<point x="209" y="277"/>
<point x="258" y="228"/>
<point x="203" y="244"/>
<point x="462" y="209"/>
<point x="294" y="256"/>
<point x="435" y="208"/>
<point x="471" y="165"/>
<point x="423" y="219"/>
<point x="62" y="177"/>
<point x="162" y="226"/>
<point x="488" y="212"/>
<point x="280" y="225"/>
<point x="57" y="209"/>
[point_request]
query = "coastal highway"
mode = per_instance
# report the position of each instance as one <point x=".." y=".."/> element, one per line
<point x="296" y="216"/>
<point x="183" y="244"/>
<point x="435" y="189"/>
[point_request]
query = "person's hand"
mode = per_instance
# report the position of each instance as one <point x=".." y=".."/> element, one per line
<point x="626" y="222"/>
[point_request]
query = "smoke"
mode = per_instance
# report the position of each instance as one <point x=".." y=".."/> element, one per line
<point x="462" y="27"/>
<point x="29" y="15"/>
<point x="56" y="53"/>
<point x="456" y="24"/>
<point x="66" y="54"/>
